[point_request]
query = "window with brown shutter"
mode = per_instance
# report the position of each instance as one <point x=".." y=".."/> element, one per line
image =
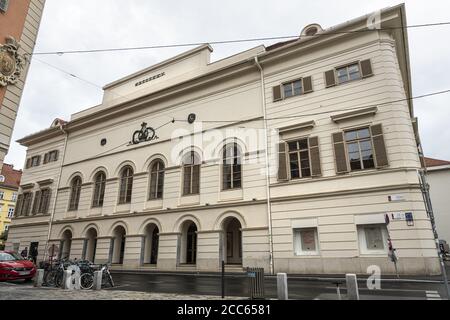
<point x="339" y="152"/>
<point x="19" y="205"/>
<point x="330" y="79"/>
<point x="307" y="84"/>
<point x="37" y="199"/>
<point x="276" y="93"/>
<point x="46" y="157"/>
<point x="28" y="164"/>
<point x="379" y="146"/>
<point x="282" y="170"/>
<point x="45" y="201"/>
<point x="314" y="154"/>
<point x="366" y="68"/>
<point x="359" y="149"/>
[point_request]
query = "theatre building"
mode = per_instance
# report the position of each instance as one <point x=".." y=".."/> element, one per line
<point x="286" y="157"/>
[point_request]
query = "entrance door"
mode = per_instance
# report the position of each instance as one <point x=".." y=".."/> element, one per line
<point x="33" y="249"/>
<point x="154" y="250"/>
<point x="122" y="250"/>
<point x="191" y="245"/>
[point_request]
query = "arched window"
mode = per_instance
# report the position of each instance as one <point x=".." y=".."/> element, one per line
<point x="156" y="180"/>
<point x="99" y="189"/>
<point x="75" y="190"/>
<point x="231" y="168"/>
<point x="126" y="185"/>
<point x="191" y="173"/>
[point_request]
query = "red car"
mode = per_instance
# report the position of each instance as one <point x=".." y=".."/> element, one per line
<point x="14" y="267"/>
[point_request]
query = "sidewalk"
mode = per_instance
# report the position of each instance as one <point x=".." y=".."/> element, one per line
<point x="10" y="291"/>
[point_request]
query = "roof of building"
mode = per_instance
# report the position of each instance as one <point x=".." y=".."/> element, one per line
<point x="430" y="162"/>
<point x="12" y="176"/>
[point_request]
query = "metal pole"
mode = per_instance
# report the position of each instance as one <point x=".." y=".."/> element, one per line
<point x="223" y="279"/>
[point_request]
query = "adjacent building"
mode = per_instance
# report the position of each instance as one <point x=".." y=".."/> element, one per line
<point x="19" y="24"/>
<point x="288" y="157"/>
<point x="9" y="187"/>
<point x="438" y="177"/>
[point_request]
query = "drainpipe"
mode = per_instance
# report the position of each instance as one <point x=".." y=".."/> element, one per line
<point x="269" y="206"/>
<point x="50" y="223"/>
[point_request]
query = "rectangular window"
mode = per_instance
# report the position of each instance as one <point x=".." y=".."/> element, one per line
<point x="299" y="161"/>
<point x="4" y="5"/>
<point x="2" y="195"/>
<point x="373" y="239"/>
<point x="35" y="161"/>
<point x="293" y="88"/>
<point x="10" y="212"/>
<point x="359" y="149"/>
<point x="348" y="73"/>
<point x="306" y="241"/>
<point x="26" y="206"/>
<point x="6" y="227"/>
<point x="14" y="197"/>
<point x="53" y="156"/>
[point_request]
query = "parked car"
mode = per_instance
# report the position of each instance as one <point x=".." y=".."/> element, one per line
<point x="14" y="267"/>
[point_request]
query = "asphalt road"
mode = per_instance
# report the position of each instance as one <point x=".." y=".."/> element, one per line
<point x="237" y="285"/>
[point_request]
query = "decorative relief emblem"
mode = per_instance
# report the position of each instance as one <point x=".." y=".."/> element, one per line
<point x="11" y="63"/>
<point x="145" y="134"/>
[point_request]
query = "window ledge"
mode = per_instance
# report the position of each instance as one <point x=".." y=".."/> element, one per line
<point x="354" y="114"/>
<point x="298" y="126"/>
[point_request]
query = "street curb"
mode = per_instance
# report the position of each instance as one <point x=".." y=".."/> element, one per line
<point x="243" y="275"/>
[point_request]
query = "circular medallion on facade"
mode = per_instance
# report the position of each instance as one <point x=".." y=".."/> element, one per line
<point x="7" y="64"/>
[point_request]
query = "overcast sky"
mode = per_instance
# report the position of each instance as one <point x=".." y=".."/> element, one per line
<point x="88" y="24"/>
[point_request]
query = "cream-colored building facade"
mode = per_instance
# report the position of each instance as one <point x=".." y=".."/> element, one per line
<point x="341" y="153"/>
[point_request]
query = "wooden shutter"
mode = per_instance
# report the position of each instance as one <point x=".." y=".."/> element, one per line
<point x="307" y="85"/>
<point x="277" y="93"/>
<point x="330" y="79"/>
<point x="36" y="203"/>
<point x="19" y="205"/>
<point x="47" y="202"/>
<point x="282" y="167"/>
<point x="314" y="155"/>
<point x="56" y="155"/>
<point x="39" y="160"/>
<point x="46" y="157"/>
<point x="28" y="163"/>
<point x="379" y="146"/>
<point x="366" y="68"/>
<point x="339" y="152"/>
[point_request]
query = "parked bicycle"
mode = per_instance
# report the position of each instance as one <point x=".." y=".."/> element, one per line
<point x="87" y="275"/>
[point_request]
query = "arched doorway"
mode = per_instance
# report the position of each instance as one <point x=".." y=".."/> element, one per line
<point x="188" y="243"/>
<point x="151" y="244"/>
<point x="66" y="243"/>
<point x="232" y="241"/>
<point x="91" y="248"/>
<point x="119" y="234"/>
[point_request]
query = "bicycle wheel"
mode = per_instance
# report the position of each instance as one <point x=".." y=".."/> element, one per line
<point x="87" y="281"/>
<point x="50" y="278"/>
<point x="58" y="279"/>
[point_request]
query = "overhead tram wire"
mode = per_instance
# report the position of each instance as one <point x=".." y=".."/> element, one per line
<point x="381" y="104"/>
<point x="326" y="33"/>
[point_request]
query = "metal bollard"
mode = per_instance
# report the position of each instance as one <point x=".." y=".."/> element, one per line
<point x="39" y="278"/>
<point x="352" y="286"/>
<point x="282" y="287"/>
<point x="67" y="280"/>
<point x="97" y="280"/>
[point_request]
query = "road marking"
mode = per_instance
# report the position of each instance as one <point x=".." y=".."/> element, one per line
<point x="433" y="295"/>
